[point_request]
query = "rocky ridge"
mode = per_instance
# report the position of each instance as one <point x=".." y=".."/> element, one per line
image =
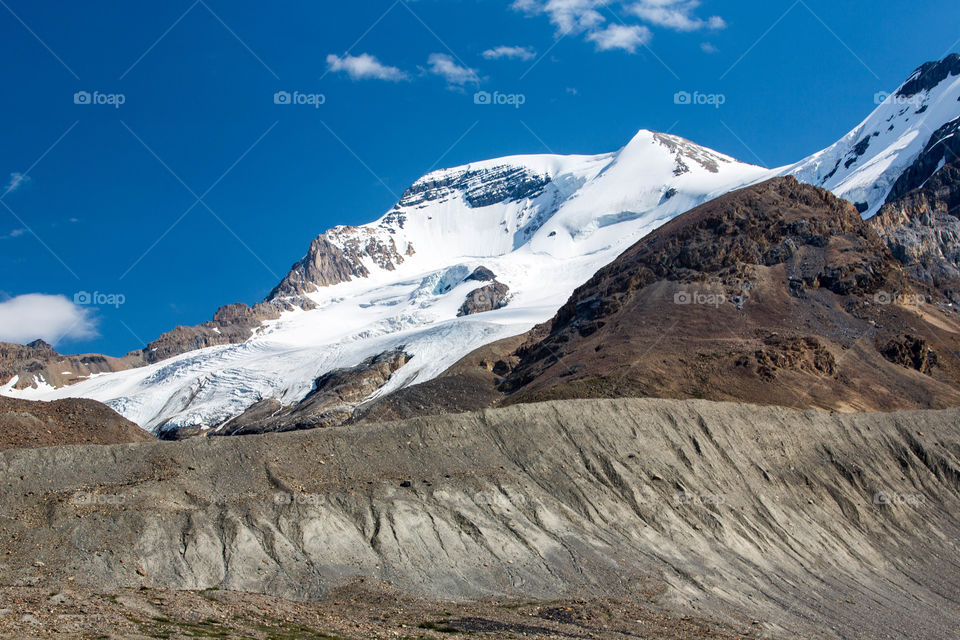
<point x="25" y="424"/>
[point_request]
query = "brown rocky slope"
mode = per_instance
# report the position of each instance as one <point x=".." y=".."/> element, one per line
<point x="25" y="424"/>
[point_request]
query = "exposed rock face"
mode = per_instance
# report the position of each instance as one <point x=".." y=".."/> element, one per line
<point x="338" y="256"/>
<point x="38" y="363"/>
<point x="798" y="354"/>
<point x="803" y="521"/>
<point x="921" y="220"/>
<point x="25" y="424"/>
<point x="482" y="274"/>
<point x="487" y="298"/>
<point x="687" y="151"/>
<point x="911" y="352"/>
<point x="232" y="324"/>
<point x="333" y="401"/>
<point x="480" y="187"/>
<point x="774" y="294"/>
<point x="941" y="149"/>
<point x="930" y="75"/>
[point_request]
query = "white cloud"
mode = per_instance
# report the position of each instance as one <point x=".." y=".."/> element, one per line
<point x="519" y="53"/>
<point x="674" y="14"/>
<point x="17" y="180"/>
<point x="569" y="16"/>
<point x="364" y="67"/>
<point x="444" y="66"/>
<point x="28" y="317"/>
<point x="16" y="233"/>
<point x="590" y="17"/>
<point x="706" y="47"/>
<point x="618" y="36"/>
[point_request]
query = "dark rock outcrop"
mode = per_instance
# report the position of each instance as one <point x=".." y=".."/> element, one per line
<point x="920" y="221"/>
<point x="337" y="256"/>
<point x="930" y="75"/>
<point x="482" y="274"/>
<point x="480" y="187"/>
<point x="910" y="352"/>
<point x="487" y="298"/>
<point x="325" y="264"/>
<point x="232" y="324"/>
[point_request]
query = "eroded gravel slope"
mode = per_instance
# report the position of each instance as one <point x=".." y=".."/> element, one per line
<point x="825" y="524"/>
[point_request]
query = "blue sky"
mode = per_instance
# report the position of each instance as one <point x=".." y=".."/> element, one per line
<point x="145" y="156"/>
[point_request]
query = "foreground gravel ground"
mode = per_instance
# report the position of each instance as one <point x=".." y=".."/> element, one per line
<point x="350" y="613"/>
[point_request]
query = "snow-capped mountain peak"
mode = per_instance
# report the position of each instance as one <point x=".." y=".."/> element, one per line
<point x="864" y="165"/>
<point x="539" y="226"/>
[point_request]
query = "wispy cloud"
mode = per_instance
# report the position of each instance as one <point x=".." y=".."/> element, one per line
<point x="447" y="68"/>
<point x="569" y="16"/>
<point x="589" y="18"/>
<point x="16" y="233"/>
<point x="674" y="14"/>
<point x="17" y="180"/>
<point x="622" y="37"/>
<point x="364" y="67"/>
<point x="54" y="319"/>
<point x="514" y="53"/>
<point x="706" y="47"/>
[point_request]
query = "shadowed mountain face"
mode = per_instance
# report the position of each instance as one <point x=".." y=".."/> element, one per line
<point x="921" y="220"/>
<point x="774" y="294"/>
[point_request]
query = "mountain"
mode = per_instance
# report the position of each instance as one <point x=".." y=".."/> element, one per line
<point x="537" y="226"/>
<point x="920" y="221"/>
<point x="38" y="365"/>
<point x="865" y="166"/>
<point x="776" y="294"/>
